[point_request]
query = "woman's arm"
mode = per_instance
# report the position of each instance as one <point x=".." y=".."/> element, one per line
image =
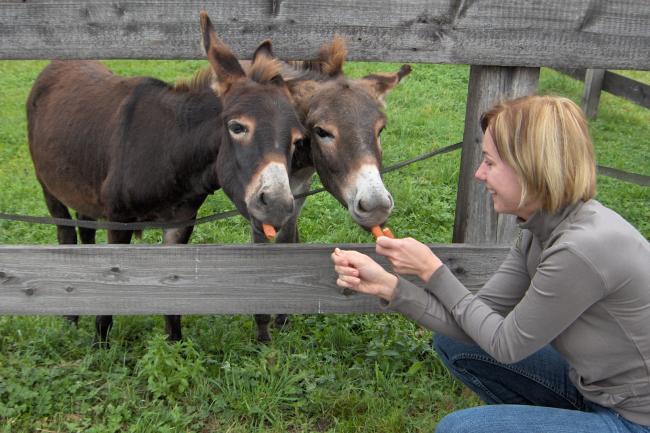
<point x="564" y="286"/>
<point x="502" y="291"/>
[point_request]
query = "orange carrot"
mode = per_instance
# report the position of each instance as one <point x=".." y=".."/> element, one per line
<point x="378" y="231"/>
<point x="269" y="231"/>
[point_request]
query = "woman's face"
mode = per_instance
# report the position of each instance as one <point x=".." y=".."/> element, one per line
<point x="502" y="182"/>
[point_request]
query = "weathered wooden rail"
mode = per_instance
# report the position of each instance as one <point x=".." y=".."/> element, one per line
<point x="597" y="80"/>
<point x="505" y="41"/>
<point x="197" y="279"/>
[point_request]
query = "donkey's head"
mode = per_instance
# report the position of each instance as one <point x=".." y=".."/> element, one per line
<point x="260" y="131"/>
<point x="344" y="121"/>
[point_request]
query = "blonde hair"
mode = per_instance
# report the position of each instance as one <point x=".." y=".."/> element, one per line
<point x="546" y="141"/>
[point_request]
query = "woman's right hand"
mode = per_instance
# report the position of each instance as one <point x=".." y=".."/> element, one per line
<point x="362" y="274"/>
<point x="409" y="256"/>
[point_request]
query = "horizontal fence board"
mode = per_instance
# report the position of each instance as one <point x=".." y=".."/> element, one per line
<point x="581" y="33"/>
<point x="619" y="85"/>
<point x="198" y="279"/>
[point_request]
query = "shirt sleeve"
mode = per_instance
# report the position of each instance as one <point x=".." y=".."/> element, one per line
<point x="424" y="308"/>
<point x="502" y="291"/>
<point x="506" y="287"/>
<point x="565" y="284"/>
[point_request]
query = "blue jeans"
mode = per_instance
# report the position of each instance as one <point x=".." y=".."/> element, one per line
<point x="534" y="395"/>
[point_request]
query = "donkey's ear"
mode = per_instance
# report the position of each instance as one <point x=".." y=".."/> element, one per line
<point x="264" y="50"/>
<point x="265" y="67"/>
<point x="380" y="84"/>
<point x="332" y="56"/>
<point x="224" y="63"/>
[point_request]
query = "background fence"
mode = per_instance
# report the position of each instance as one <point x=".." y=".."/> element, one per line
<point x="505" y="42"/>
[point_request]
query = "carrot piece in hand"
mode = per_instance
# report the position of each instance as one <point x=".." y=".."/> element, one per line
<point x="269" y="231"/>
<point x="377" y="231"/>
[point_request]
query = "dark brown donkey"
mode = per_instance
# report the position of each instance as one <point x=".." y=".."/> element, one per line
<point x="343" y="119"/>
<point x="138" y="149"/>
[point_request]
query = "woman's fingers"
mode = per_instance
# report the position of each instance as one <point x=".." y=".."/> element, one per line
<point x="346" y="270"/>
<point x="347" y="281"/>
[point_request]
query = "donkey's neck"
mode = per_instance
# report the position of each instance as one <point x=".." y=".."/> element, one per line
<point x="176" y="135"/>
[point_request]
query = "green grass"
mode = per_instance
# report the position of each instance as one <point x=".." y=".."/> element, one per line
<point x="334" y="373"/>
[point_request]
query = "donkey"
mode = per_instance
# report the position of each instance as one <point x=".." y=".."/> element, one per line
<point x="343" y="119"/>
<point x="138" y="149"/>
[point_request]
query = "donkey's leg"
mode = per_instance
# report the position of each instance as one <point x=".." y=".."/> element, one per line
<point x="289" y="235"/>
<point x="103" y="324"/>
<point x="87" y="236"/>
<point x="261" y="320"/>
<point x="173" y="322"/>
<point x="65" y="235"/>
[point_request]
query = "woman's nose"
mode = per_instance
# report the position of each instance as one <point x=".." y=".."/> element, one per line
<point x="480" y="172"/>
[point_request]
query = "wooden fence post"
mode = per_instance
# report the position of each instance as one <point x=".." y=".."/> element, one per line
<point x="591" y="96"/>
<point x="476" y="222"/>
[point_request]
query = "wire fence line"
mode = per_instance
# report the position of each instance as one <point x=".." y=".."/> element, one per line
<point x="638" y="179"/>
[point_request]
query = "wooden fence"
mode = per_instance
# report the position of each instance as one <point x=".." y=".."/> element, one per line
<point x="505" y="41"/>
<point x="597" y="80"/>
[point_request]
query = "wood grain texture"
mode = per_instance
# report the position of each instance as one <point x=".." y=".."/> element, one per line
<point x="591" y="92"/>
<point x="198" y="279"/>
<point x="580" y="33"/>
<point x="476" y="222"/>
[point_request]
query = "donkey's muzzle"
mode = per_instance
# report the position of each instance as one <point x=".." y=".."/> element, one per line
<point x="270" y="200"/>
<point x="368" y="200"/>
<point x="273" y="206"/>
<point x="373" y="209"/>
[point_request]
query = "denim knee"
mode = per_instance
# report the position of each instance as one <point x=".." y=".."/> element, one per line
<point x="439" y="343"/>
<point x="447" y="348"/>
<point x="459" y="422"/>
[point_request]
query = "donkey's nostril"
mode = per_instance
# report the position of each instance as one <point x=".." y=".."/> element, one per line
<point x="361" y="207"/>
<point x="263" y="199"/>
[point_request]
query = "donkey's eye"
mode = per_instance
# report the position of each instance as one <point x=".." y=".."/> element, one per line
<point x="322" y="133"/>
<point x="299" y="142"/>
<point x="237" y="128"/>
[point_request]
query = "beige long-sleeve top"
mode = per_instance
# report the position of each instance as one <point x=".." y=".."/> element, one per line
<point x="578" y="279"/>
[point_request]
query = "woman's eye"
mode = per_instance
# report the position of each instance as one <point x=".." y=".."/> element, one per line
<point x="322" y="133"/>
<point x="237" y="128"/>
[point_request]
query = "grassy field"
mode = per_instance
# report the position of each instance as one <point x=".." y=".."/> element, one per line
<point x="336" y="373"/>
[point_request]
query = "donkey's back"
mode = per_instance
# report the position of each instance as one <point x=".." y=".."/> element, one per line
<point x="73" y="114"/>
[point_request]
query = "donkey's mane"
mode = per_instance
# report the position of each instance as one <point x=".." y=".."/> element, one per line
<point x="333" y="56"/>
<point x="202" y="79"/>
<point x="327" y="66"/>
<point x="264" y="69"/>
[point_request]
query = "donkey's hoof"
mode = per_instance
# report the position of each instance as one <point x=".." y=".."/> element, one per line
<point x="282" y="321"/>
<point x="174" y="338"/>
<point x="101" y="344"/>
<point x="74" y="320"/>
<point x="263" y="337"/>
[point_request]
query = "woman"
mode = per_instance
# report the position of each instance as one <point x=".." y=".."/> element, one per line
<point x="558" y="339"/>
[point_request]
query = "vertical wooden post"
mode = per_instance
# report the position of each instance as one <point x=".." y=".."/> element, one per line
<point x="593" y="87"/>
<point x="476" y="222"/>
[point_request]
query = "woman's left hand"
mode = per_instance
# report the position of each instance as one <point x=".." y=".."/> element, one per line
<point x="360" y="273"/>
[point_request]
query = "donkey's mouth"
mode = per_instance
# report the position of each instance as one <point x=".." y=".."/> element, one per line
<point x="267" y="230"/>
